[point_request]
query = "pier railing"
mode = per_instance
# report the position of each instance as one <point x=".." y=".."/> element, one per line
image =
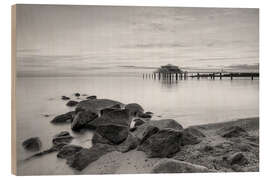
<point x="198" y="75"/>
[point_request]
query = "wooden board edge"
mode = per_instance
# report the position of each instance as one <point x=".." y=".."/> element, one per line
<point x="13" y="91"/>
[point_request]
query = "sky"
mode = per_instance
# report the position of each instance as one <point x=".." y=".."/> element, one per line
<point x="56" y="40"/>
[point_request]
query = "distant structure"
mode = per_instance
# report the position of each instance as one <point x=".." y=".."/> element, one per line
<point x="169" y="69"/>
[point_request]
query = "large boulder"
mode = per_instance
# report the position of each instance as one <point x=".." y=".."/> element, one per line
<point x="175" y="166"/>
<point x="232" y="131"/>
<point x="64" y="118"/>
<point x="62" y="138"/>
<point x="114" y="117"/>
<point x="191" y="136"/>
<point x="149" y="131"/>
<point x="160" y="124"/>
<point x="82" y="118"/>
<point x="68" y="151"/>
<point x="95" y="105"/>
<point x="130" y="143"/>
<point x="164" y="143"/>
<point x="114" y="133"/>
<point x="84" y="157"/>
<point x="134" y="109"/>
<point x="32" y="144"/>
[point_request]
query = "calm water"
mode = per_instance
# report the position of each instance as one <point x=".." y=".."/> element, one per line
<point x="190" y="102"/>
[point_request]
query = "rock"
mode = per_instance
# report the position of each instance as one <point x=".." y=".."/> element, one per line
<point x="232" y="131"/>
<point x="130" y="143"/>
<point x="96" y="105"/>
<point x="138" y="122"/>
<point x="65" y="98"/>
<point x="98" y="139"/>
<point x="195" y="132"/>
<point x="144" y="115"/>
<point x="164" y="143"/>
<point x="72" y="103"/>
<point x="84" y="157"/>
<point x="82" y="118"/>
<point x="149" y="131"/>
<point x="117" y="106"/>
<point x="207" y="148"/>
<point x="114" y="133"/>
<point x="132" y="129"/>
<point x="148" y="112"/>
<point x="54" y="148"/>
<point x="64" y="118"/>
<point x="77" y="94"/>
<point x="191" y="136"/>
<point x="175" y="166"/>
<point x="68" y="151"/>
<point x="32" y="144"/>
<point x="166" y="123"/>
<point x="113" y="117"/>
<point x="237" y="158"/>
<point x="134" y="109"/>
<point x="160" y="124"/>
<point x="91" y="97"/>
<point x="62" y="138"/>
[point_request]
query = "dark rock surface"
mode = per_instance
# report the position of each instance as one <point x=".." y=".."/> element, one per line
<point x="62" y="138"/>
<point x="32" y="144"/>
<point x="77" y="94"/>
<point x="144" y="115"/>
<point x="237" y="158"/>
<point x="149" y="131"/>
<point x="232" y="131"/>
<point x="164" y="143"/>
<point x="134" y="109"/>
<point x="114" y="117"/>
<point x="65" y="98"/>
<point x="130" y="143"/>
<point x="64" y="118"/>
<point x="114" y="133"/>
<point x="138" y="122"/>
<point x="160" y="124"/>
<point x="72" y="103"/>
<point x="96" y="105"/>
<point x="68" y="151"/>
<point x="191" y="136"/>
<point x="82" y="118"/>
<point x="84" y="157"/>
<point x="92" y="97"/>
<point x="175" y="166"/>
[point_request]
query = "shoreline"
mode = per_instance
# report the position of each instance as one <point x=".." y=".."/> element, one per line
<point x="136" y="161"/>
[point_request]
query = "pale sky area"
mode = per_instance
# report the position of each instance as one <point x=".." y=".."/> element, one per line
<point x="95" y="40"/>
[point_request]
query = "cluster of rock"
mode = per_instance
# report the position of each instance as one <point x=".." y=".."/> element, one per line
<point x="120" y="127"/>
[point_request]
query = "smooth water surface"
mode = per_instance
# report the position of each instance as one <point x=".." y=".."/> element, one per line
<point x="190" y="102"/>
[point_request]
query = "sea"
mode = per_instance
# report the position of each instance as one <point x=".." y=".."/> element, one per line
<point x="189" y="102"/>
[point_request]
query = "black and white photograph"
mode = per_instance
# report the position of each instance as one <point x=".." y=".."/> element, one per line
<point x="135" y="89"/>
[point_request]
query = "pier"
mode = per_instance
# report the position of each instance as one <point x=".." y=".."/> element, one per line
<point x="172" y="72"/>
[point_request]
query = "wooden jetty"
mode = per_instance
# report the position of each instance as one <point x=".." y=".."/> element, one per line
<point x="172" y="72"/>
